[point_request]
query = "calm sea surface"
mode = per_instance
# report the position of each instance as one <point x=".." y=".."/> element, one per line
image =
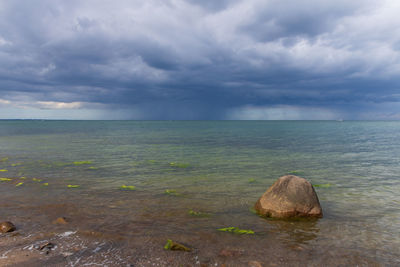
<point x="218" y="168"/>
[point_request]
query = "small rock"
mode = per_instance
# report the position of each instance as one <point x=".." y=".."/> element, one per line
<point x="6" y="227"/>
<point x="46" y="247"/>
<point x="60" y="220"/>
<point x="254" y="264"/>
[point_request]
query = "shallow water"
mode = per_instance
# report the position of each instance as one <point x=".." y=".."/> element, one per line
<point x="216" y="167"/>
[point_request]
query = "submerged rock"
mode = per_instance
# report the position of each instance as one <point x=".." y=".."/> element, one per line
<point x="290" y="196"/>
<point x="60" y="220"/>
<point x="6" y="227"/>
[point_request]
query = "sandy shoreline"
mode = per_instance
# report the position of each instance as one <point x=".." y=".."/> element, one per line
<point x="97" y="236"/>
<point x="79" y="247"/>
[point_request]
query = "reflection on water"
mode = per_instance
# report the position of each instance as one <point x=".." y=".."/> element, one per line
<point x="77" y="169"/>
<point x="298" y="232"/>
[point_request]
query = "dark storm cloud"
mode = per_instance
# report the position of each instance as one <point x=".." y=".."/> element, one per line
<point x="202" y="59"/>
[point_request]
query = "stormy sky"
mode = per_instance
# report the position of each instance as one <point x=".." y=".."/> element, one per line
<point x="189" y="59"/>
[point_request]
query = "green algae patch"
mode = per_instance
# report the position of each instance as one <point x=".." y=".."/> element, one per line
<point x="253" y="210"/>
<point x="179" y="165"/>
<point x="45" y="184"/>
<point x="77" y="163"/>
<point x="4" y="159"/>
<point x="171" y="245"/>
<point x="236" y="230"/>
<point x="322" y="185"/>
<point x="16" y="164"/>
<point x="252" y="180"/>
<point x="5" y="179"/>
<point x="36" y="180"/>
<point x="23" y="177"/>
<point x="3" y="170"/>
<point x="198" y="213"/>
<point x="73" y="186"/>
<point x="127" y="187"/>
<point x="19" y="184"/>
<point x="93" y="168"/>
<point x="171" y="192"/>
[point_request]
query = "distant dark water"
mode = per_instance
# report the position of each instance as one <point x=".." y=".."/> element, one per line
<point x="216" y="167"/>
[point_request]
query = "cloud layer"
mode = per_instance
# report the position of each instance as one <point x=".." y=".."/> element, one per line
<point x="175" y="59"/>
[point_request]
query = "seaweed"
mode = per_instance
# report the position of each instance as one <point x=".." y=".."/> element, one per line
<point x="236" y="230"/>
<point x="45" y="184"/>
<point x="92" y="168"/>
<point x="5" y="179"/>
<point x="3" y="170"/>
<point x="73" y="186"/>
<point x="198" y="213"/>
<point x="179" y="165"/>
<point x="171" y="192"/>
<point x="322" y="185"/>
<point x="77" y="163"/>
<point x="36" y="179"/>
<point x="19" y="184"/>
<point x="171" y="245"/>
<point x="252" y="180"/>
<point x="127" y="187"/>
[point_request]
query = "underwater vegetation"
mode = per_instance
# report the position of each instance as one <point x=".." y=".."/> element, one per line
<point x="45" y="184"/>
<point x="73" y="186"/>
<point x="322" y="185"/>
<point x="236" y="230"/>
<point x="127" y="187"/>
<point x="171" y="245"/>
<point x="5" y="179"/>
<point x="16" y="164"/>
<point x="19" y="184"/>
<point x="36" y="179"/>
<point x="171" y="192"/>
<point x="179" y="165"/>
<point x="77" y="163"/>
<point x="92" y="168"/>
<point x="198" y="213"/>
<point x="4" y="159"/>
<point x="3" y="170"/>
<point x="252" y="180"/>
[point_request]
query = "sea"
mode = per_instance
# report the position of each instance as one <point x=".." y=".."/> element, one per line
<point x="127" y="187"/>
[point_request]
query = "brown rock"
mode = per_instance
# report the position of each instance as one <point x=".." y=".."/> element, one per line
<point x="60" y="220"/>
<point x="6" y="227"/>
<point x="290" y="196"/>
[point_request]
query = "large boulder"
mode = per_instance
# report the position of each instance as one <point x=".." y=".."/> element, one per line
<point x="290" y="196"/>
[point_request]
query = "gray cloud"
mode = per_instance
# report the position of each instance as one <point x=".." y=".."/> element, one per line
<point x="201" y="60"/>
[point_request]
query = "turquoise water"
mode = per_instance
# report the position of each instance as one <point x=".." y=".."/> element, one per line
<point x="216" y="167"/>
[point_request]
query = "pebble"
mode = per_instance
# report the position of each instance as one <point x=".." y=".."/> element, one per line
<point x="6" y="227"/>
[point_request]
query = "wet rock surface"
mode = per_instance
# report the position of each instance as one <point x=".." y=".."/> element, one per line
<point x="6" y="227"/>
<point x="60" y="220"/>
<point x="290" y="196"/>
